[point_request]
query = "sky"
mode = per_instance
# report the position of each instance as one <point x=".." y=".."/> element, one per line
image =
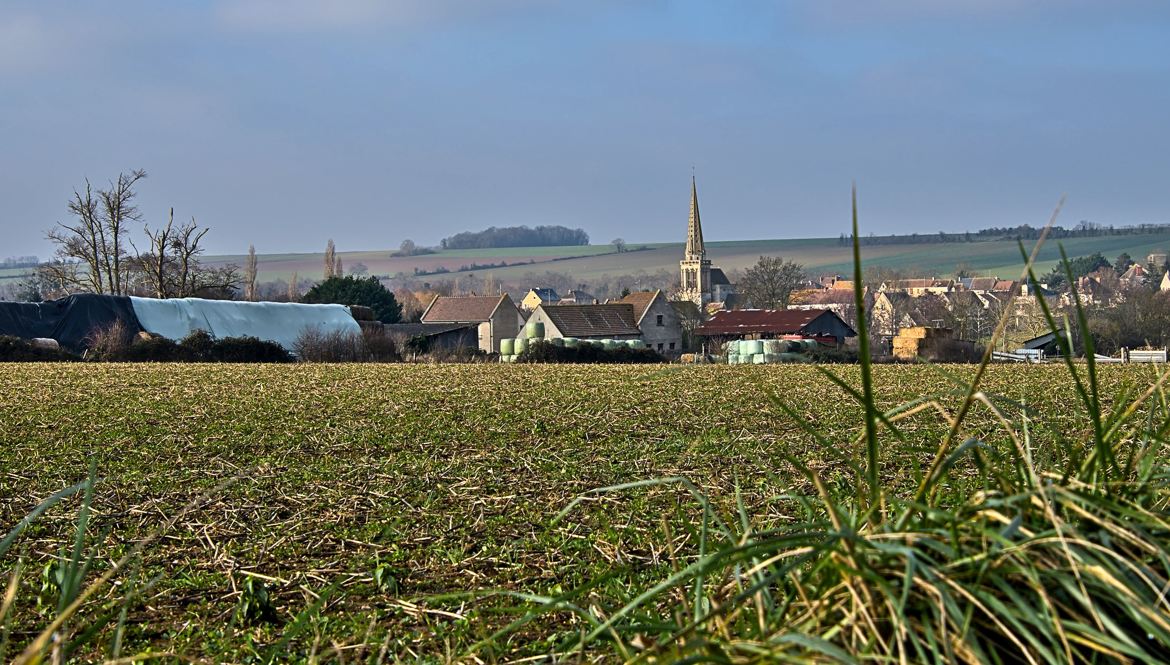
<point x="283" y="123"/>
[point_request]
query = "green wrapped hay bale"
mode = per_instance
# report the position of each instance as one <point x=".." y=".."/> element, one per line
<point x="557" y="341"/>
<point x="757" y="359"/>
<point x="731" y="347"/>
<point x="793" y="358"/>
<point x="610" y="344"/>
<point x="520" y="345"/>
<point x="751" y="347"/>
<point x="570" y="342"/>
<point x="534" y="330"/>
<point x="770" y="358"/>
<point x="507" y="346"/>
<point x="774" y="346"/>
<point x="733" y="358"/>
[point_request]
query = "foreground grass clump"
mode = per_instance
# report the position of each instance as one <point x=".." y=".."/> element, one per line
<point x="1064" y="562"/>
<point x="345" y="509"/>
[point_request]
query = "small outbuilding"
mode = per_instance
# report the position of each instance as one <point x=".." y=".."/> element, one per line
<point x="820" y="324"/>
<point x="495" y="317"/>
<point x="444" y="336"/>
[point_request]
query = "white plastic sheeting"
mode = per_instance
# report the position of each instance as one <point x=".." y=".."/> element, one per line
<point x="278" y="322"/>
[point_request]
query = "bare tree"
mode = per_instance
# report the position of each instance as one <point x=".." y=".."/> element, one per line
<point x="155" y="264"/>
<point x="770" y="282"/>
<point x="250" y="272"/>
<point x="412" y="307"/>
<point x="338" y="269"/>
<point x="293" y="293"/>
<point x="91" y="254"/>
<point x="330" y="259"/>
<point x="407" y="248"/>
<point x="619" y="245"/>
<point x="172" y="269"/>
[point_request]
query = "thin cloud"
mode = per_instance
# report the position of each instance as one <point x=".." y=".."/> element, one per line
<point x="34" y="43"/>
<point x="315" y="16"/>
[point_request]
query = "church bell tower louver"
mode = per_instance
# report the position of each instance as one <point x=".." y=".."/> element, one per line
<point x="695" y="267"/>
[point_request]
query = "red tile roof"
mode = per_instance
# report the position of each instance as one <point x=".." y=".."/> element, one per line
<point x="452" y="309"/>
<point x="773" y="321"/>
<point x="641" y="301"/>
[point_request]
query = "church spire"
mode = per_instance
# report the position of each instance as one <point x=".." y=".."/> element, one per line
<point x="695" y="249"/>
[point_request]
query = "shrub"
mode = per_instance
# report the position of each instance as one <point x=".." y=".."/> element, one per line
<point x="247" y="350"/>
<point x="113" y="345"/>
<point x="199" y="343"/>
<point x="546" y="352"/>
<point x="16" y="349"/>
<point x="335" y="346"/>
<point x="109" y="342"/>
<point x="351" y="290"/>
<point x="463" y="354"/>
<point x="156" y="349"/>
<point x="380" y="346"/>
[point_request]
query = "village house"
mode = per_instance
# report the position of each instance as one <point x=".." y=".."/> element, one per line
<point x="658" y="320"/>
<point x="496" y="317"/>
<point x="819" y="324"/>
<point x="919" y="286"/>
<point x="539" y="296"/>
<point x="609" y="321"/>
<point x="577" y="297"/>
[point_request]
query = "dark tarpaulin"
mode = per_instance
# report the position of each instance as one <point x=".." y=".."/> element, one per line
<point x="69" y="320"/>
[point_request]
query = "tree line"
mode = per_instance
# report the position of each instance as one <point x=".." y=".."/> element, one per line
<point x="1022" y="232"/>
<point x="516" y="236"/>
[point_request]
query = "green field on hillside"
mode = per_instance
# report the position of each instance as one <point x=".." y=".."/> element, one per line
<point x="818" y="255"/>
<point x="352" y="511"/>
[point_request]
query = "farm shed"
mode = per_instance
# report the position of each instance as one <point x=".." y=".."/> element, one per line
<point x="280" y="322"/>
<point x="819" y="324"/>
<point x="446" y="336"/>
<point x="69" y="320"/>
<point x="610" y="321"/>
<point x="659" y="322"/>
<point x="496" y="317"/>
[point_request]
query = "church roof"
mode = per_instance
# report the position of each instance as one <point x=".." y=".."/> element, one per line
<point x="718" y="278"/>
<point x="695" y="247"/>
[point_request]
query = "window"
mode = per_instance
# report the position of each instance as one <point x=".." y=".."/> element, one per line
<point x="659" y="320"/>
<point x="660" y="346"/>
<point x="672" y="346"/>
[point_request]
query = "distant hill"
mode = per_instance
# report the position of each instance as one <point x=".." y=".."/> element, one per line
<point x="818" y="255"/>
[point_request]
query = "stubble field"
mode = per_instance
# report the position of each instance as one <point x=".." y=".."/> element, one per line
<point x="368" y="512"/>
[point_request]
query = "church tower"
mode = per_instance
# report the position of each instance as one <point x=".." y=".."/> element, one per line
<point x="695" y="268"/>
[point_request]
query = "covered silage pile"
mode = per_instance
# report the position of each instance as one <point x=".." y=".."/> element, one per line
<point x="271" y="321"/>
<point x="70" y="320"/>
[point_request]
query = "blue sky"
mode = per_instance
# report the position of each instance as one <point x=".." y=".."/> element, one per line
<point x="286" y="122"/>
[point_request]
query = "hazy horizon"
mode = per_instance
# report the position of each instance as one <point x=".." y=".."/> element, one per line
<point x="282" y="124"/>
